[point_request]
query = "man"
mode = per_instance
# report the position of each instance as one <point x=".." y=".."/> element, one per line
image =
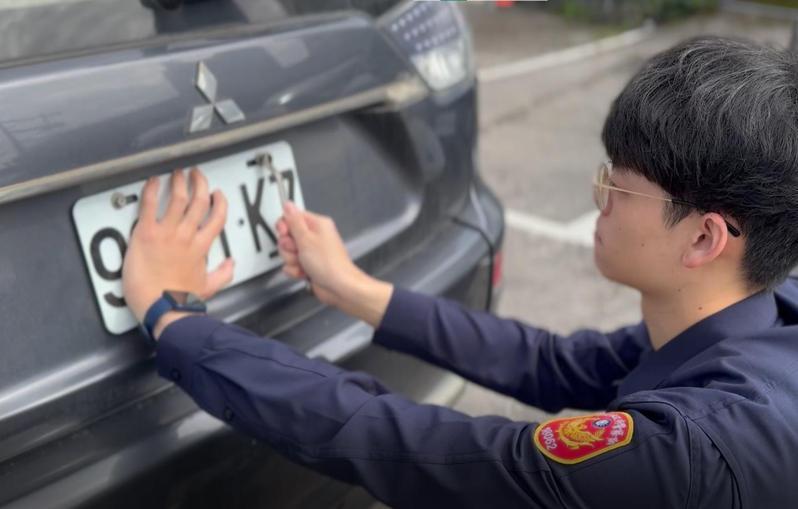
<point x="695" y="405"/>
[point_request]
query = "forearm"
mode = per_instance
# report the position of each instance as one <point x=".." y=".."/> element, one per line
<point x="349" y="426"/>
<point x="345" y="424"/>
<point x="365" y="298"/>
<point x="167" y="319"/>
<point x="525" y="362"/>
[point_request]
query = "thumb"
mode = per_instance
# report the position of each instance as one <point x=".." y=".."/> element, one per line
<point x="218" y="279"/>
<point x="295" y="220"/>
<point x="316" y="222"/>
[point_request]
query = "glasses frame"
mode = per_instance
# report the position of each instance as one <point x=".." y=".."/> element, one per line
<point x="606" y="167"/>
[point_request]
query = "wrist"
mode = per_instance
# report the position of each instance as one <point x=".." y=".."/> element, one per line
<point x="141" y="304"/>
<point x="365" y="298"/>
<point x="166" y="319"/>
<point x="171" y="306"/>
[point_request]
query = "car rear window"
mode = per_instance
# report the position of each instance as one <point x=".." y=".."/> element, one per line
<point x="32" y="29"/>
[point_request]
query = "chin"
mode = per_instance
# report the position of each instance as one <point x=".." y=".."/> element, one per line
<point x="598" y="260"/>
<point x="606" y="269"/>
<point x="602" y="268"/>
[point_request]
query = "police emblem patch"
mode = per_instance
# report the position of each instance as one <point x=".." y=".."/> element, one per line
<point x="575" y="439"/>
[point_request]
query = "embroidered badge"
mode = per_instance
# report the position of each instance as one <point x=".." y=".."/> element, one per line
<point x="575" y="439"/>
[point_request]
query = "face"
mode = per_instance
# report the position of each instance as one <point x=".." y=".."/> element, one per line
<point x="632" y="244"/>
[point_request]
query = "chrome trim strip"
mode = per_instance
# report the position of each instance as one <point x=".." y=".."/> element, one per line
<point x="403" y="91"/>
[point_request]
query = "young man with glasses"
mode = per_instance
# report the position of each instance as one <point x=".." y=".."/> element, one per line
<point x="695" y="406"/>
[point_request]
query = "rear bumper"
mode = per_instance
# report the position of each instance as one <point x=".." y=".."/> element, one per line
<point x="186" y="458"/>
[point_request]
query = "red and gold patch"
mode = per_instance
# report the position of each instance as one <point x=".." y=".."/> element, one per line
<point x="575" y="439"/>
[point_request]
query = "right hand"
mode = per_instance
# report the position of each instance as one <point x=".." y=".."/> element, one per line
<point x="312" y="248"/>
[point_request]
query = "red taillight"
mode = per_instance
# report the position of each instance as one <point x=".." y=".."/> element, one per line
<point x="504" y="3"/>
<point x="498" y="270"/>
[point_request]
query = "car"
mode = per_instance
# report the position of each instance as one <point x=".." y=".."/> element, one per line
<point x="367" y="109"/>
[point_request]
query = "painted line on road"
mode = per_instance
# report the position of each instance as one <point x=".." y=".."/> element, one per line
<point x="566" y="56"/>
<point x="579" y="231"/>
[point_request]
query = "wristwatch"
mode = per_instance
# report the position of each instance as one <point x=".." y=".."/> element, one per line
<point x="167" y="302"/>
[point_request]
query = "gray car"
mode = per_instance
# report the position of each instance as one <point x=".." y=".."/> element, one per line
<point x="366" y="108"/>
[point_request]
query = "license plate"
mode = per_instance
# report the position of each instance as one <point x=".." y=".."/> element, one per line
<point x="104" y="222"/>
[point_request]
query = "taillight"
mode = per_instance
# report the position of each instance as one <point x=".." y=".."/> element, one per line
<point x="498" y="270"/>
<point x="436" y="38"/>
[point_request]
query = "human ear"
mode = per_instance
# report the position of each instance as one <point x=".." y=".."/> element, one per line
<point x="707" y="241"/>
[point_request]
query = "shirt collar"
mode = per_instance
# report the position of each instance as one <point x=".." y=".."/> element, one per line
<point x="749" y="315"/>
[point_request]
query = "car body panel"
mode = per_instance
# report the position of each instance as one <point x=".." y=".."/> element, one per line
<point x="84" y="419"/>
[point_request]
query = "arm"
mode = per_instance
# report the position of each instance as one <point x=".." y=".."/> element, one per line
<point x="530" y="364"/>
<point x="527" y="363"/>
<point x="347" y="425"/>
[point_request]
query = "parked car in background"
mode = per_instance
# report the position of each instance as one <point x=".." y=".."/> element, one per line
<point x="368" y="110"/>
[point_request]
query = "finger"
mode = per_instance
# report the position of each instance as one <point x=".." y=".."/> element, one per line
<point x="178" y="199"/>
<point x="316" y="222"/>
<point x="148" y="211"/>
<point x="213" y="227"/>
<point x="200" y="200"/>
<point x="218" y="279"/>
<point x="296" y="222"/>
<point x="294" y="271"/>
<point x="289" y="258"/>
<point x="287" y="244"/>
<point x="281" y="226"/>
<point x="287" y="255"/>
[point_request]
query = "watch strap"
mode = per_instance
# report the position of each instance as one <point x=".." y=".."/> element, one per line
<point x="165" y="303"/>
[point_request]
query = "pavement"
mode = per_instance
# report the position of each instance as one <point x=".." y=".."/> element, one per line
<point x="539" y="146"/>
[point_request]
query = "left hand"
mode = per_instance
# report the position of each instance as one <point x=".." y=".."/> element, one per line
<point x="171" y="253"/>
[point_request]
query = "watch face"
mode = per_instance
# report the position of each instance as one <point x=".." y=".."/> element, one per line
<point x="192" y="298"/>
<point x="194" y="303"/>
<point x="185" y="301"/>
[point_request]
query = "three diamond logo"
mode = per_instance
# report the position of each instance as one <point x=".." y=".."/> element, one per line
<point x="202" y="116"/>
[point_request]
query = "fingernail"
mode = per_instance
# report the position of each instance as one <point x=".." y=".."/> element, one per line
<point x="290" y="208"/>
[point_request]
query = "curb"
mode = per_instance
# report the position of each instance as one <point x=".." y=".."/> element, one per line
<point x="566" y="56"/>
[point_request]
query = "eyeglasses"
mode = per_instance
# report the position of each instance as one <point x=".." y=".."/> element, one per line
<point x="602" y="188"/>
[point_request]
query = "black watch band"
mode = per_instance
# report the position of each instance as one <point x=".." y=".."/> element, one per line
<point x="166" y="303"/>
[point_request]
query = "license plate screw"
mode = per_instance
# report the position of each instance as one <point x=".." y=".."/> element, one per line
<point x="119" y="200"/>
<point x="261" y="160"/>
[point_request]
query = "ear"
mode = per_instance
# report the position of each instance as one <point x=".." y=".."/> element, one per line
<point x="707" y="241"/>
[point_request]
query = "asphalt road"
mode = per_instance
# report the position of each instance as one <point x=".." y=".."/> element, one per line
<point x="539" y="147"/>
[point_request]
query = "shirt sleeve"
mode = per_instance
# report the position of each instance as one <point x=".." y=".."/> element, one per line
<point x="535" y="366"/>
<point x="349" y="426"/>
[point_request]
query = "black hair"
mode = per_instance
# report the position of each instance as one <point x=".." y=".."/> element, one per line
<point x="714" y="121"/>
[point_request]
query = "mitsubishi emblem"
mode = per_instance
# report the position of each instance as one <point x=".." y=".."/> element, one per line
<point x="202" y="116"/>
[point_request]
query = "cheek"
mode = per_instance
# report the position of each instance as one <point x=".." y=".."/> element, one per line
<point x="627" y="248"/>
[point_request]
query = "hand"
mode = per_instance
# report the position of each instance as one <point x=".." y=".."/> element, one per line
<point x="171" y="253"/>
<point x="323" y="257"/>
<point x="311" y="247"/>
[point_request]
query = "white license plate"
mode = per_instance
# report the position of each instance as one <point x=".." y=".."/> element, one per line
<point x="249" y="235"/>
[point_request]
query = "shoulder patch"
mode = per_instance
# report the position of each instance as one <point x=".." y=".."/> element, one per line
<point x="575" y="439"/>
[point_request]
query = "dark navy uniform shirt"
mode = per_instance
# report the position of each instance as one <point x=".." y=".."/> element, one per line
<point x="709" y="420"/>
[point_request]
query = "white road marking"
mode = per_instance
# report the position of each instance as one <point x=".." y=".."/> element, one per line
<point x="579" y="231"/>
<point x="565" y="56"/>
<point x="25" y="4"/>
